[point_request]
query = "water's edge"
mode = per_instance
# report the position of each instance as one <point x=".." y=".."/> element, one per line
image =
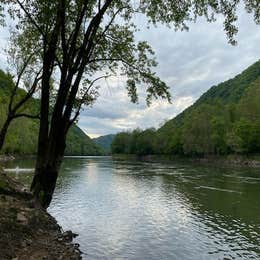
<point x="230" y="160"/>
<point x="31" y="227"/>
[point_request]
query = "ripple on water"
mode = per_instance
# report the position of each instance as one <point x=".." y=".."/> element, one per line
<point x="135" y="210"/>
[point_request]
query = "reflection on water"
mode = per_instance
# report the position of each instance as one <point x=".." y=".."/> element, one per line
<point x="138" y="210"/>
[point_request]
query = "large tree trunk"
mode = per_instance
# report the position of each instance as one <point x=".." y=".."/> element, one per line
<point x="48" y="165"/>
<point x="46" y="172"/>
<point x="3" y="132"/>
<point x="44" y="183"/>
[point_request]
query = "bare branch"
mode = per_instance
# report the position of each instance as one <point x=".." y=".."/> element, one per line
<point x="99" y="5"/>
<point x="119" y="59"/>
<point x="26" y="115"/>
<point x="84" y="96"/>
<point x="28" y="94"/>
<point x="112" y="20"/>
<point x="20" y="74"/>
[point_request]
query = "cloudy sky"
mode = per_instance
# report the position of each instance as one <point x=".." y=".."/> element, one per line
<point x="189" y="62"/>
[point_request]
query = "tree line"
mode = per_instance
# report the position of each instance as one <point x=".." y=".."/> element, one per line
<point x="209" y="128"/>
<point x="60" y="50"/>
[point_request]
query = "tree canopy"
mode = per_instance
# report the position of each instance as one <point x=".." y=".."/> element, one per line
<point x="95" y="36"/>
<point x="77" y="43"/>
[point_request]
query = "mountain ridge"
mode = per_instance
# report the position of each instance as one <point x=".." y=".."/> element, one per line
<point x="21" y="138"/>
<point x="224" y="120"/>
<point x="105" y="142"/>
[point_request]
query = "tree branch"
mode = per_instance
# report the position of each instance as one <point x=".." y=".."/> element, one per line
<point x="63" y="29"/>
<point x="74" y="36"/>
<point x="31" y="18"/>
<point x="83" y="56"/>
<point x="118" y="59"/>
<point x="84" y="96"/>
<point x="20" y="74"/>
<point x="28" y="94"/>
<point x="26" y="115"/>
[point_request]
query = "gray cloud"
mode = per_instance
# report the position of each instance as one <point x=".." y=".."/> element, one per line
<point x="189" y="62"/>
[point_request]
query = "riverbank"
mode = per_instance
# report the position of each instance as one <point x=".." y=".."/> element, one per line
<point x="231" y="160"/>
<point x="228" y="160"/>
<point x="28" y="231"/>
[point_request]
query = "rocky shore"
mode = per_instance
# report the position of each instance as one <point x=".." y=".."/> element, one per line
<point x="27" y="231"/>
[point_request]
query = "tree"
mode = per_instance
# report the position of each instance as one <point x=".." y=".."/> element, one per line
<point x="145" y="142"/>
<point x="122" y="143"/>
<point x="81" y="39"/>
<point x="17" y="102"/>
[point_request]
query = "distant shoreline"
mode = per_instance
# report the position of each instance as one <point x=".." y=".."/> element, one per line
<point x="228" y="160"/>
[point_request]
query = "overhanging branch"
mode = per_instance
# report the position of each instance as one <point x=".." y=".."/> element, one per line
<point x="26" y="115"/>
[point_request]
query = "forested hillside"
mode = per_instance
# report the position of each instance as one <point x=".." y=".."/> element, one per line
<point x="22" y="135"/>
<point x="105" y="142"/>
<point x="225" y="120"/>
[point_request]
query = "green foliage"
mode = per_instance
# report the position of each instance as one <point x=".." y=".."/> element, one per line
<point x="22" y="135"/>
<point x="75" y="40"/>
<point x="105" y="142"/>
<point x="78" y="143"/>
<point x="100" y="37"/>
<point x="121" y="143"/>
<point x="226" y="119"/>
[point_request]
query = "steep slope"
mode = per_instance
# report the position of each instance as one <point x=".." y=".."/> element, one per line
<point x="224" y="120"/>
<point x="228" y="92"/>
<point x="78" y="143"/>
<point x="105" y="142"/>
<point x="22" y="135"/>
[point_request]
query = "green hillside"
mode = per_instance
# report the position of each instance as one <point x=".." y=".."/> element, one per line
<point x="105" y="142"/>
<point x="224" y="120"/>
<point x="22" y="136"/>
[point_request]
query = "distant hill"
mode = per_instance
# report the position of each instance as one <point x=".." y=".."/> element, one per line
<point x="224" y="120"/>
<point x="228" y="92"/>
<point x="22" y="136"/>
<point x="105" y="142"/>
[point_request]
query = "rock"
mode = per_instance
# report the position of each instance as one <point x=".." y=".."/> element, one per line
<point x="25" y="190"/>
<point x="29" y="242"/>
<point x="28" y="231"/>
<point x="22" y="218"/>
<point x="76" y="245"/>
<point x="69" y="235"/>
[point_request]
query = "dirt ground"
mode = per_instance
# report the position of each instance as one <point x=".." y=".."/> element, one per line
<point x="29" y="232"/>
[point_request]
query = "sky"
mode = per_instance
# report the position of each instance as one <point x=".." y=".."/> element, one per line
<point x="189" y="62"/>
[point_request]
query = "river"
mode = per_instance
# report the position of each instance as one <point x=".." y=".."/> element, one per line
<point x="127" y="209"/>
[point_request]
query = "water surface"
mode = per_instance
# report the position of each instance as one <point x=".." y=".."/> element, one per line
<point x="139" y="210"/>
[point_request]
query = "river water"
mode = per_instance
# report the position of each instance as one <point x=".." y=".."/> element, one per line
<point x="137" y="210"/>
